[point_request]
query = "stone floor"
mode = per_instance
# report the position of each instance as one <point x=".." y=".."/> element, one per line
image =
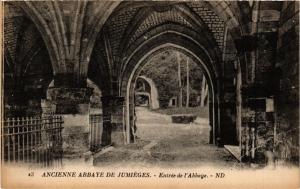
<point x="163" y="144"/>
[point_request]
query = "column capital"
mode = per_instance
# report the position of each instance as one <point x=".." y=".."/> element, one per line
<point x="65" y="94"/>
<point x="69" y="100"/>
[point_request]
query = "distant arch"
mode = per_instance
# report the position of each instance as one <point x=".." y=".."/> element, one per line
<point x="153" y="98"/>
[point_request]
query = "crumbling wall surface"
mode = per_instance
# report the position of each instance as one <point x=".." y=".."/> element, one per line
<point x="287" y="92"/>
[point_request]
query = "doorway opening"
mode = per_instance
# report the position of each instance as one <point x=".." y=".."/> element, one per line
<point x="182" y="93"/>
<point x="181" y="134"/>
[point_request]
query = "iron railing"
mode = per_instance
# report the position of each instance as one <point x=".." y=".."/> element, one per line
<point x="95" y="122"/>
<point x="32" y="140"/>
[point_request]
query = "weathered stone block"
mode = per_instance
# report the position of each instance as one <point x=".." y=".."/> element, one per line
<point x="69" y="100"/>
<point x="118" y="138"/>
<point x="75" y="134"/>
<point x="76" y="95"/>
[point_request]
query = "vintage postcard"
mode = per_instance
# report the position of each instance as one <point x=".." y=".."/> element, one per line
<point x="150" y="94"/>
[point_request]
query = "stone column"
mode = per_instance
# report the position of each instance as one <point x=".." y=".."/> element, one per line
<point x="113" y="121"/>
<point x="73" y="105"/>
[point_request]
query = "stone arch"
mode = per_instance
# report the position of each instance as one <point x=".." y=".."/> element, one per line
<point x="153" y="98"/>
<point x="28" y="69"/>
<point x="43" y="28"/>
<point x="97" y="20"/>
<point x="231" y="13"/>
<point x="180" y="35"/>
<point x="139" y="62"/>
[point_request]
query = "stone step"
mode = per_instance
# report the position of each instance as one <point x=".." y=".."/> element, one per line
<point x="234" y="150"/>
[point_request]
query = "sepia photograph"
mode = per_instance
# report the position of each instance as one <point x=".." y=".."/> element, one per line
<point x="149" y="94"/>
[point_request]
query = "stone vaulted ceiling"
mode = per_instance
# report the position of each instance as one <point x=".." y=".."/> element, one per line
<point x="213" y="21"/>
<point x="129" y="23"/>
<point x="71" y="31"/>
<point x="132" y="23"/>
<point x="156" y="18"/>
<point x="22" y="40"/>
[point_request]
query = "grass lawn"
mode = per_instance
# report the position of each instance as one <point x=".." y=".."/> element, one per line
<point x="198" y="111"/>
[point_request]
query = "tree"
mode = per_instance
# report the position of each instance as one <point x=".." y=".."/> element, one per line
<point x="163" y="70"/>
<point x="179" y="81"/>
<point x="187" y="83"/>
<point x="204" y="91"/>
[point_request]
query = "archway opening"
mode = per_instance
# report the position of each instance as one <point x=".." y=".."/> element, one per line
<point x="175" y="141"/>
<point x="178" y="77"/>
<point x="206" y="73"/>
<point x="147" y="31"/>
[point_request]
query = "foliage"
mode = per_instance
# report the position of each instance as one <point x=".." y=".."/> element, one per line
<point x="163" y="69"/>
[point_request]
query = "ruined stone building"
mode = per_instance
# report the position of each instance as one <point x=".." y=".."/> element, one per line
<point x="148" y="91"/>
<point x="59" y="54"/>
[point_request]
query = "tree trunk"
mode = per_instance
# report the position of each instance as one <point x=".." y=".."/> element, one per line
<point x="204" y="91"/>
<point x="187" y="83"/>
<point x="179" y="81"/>
<point x="206" y="94"/>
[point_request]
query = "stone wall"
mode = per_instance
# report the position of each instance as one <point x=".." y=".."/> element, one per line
<point x="287" y="71"/>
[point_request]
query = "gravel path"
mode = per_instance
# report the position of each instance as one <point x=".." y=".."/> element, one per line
<point x="164" y="144"/>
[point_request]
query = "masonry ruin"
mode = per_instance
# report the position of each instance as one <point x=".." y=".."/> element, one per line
<point x="93" y="51"/>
